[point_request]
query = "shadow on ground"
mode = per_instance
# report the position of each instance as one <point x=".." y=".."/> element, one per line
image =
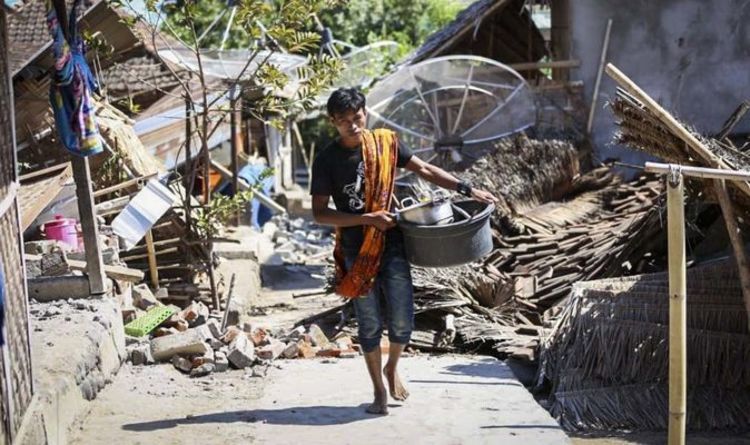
<point x="303" y="415"/>
<point x="291" y="277"/>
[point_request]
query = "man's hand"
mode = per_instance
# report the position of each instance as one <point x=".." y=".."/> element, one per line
<point x="482" y="196"/>
<point x="381" y="219"/>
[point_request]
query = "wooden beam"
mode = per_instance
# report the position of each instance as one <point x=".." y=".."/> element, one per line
<point x="94" y="262"/>
<point x="152" y="267"/>
<point x="531" y="66"/>
<point x="116" y="272"/>
<point x="123" y="185"/>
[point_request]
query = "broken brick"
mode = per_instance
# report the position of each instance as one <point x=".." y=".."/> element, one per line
<point x="231" y="334"/>
<point x="258" y="336"/>
<point x="271" y="351"/>
<point x="305" y="349"/>
<point x="329" y="352"/>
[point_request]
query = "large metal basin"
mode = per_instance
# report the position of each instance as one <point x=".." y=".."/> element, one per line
<point x="452" y="244"/>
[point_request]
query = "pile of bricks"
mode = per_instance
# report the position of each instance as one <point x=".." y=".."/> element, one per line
<point x="196" y="345"/>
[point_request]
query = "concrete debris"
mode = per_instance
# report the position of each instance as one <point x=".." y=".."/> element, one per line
<point x="221" y="363"/>
<point x="297" y="241"/>
<point x="192" y="341"/>
<point x="202" y="370"/>
<point x="241" y="352"/>
<point x="143" y="298"/>
<point x="140" y="354"/>
<point x="182" y="364"/>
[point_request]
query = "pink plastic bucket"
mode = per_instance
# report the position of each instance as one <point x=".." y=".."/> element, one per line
<point x="63" y="230"/>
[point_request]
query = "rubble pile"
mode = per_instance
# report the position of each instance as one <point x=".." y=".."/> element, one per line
<point x="298" y="241"/>
<point x="195" y="343"/>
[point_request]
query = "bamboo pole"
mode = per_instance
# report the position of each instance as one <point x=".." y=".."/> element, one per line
<point x="699" y="172"/>
<point x="152" y="266"/>
<point x="667" y="119"/>
<point x="677" y="308"/>
<point x="736" y="238"/>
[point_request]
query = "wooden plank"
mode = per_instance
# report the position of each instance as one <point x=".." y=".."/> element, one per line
<point x="94" y="264"/>
<point x="154" y="272"/>
<point x="34" y="205"/>
<point x="597" y="84"/>
<point x="116" y="272"/>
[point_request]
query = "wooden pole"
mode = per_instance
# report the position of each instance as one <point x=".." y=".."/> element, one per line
<point x="677" y="308"/>
<point x="94" y="262"/>
<point x="668" y="120"/>
<point x="152" y="266"/>
<point x="602" y="61"/>
<point x="235" y="124"/>
<point x="736" y="238"/>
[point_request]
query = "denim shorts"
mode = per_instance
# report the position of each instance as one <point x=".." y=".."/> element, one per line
<point x="391" y="298"/>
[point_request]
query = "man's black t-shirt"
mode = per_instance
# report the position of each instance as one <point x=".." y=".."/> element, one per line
<point x="339" y="172"/>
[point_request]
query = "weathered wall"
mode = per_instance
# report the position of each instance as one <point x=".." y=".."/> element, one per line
<point x="692" y="56"/>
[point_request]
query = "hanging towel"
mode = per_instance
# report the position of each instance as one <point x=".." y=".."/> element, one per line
<point x="71" y="87"/>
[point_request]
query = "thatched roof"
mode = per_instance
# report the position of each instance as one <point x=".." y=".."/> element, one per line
<point x="507" y="16"/>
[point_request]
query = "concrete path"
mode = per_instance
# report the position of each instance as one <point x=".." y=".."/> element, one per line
<point x="455" y="400"/>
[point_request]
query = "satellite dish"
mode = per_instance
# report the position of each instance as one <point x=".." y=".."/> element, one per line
<point x="362" y="65"/>
<point x="451" y="105"/>
<point x="228" y="64"/>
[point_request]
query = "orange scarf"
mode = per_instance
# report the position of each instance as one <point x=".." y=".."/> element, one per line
<point x="379" y="149"/>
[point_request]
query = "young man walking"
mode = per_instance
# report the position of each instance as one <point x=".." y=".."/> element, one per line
<point x="358" y="170"/>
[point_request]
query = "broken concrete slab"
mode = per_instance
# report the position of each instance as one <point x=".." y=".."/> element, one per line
<point x="143" y="298"/>
<point x="202" y="370"/>
<point x="140" y="354"/>
<point x="291" y="350"/>
<point x="192" y="341"/>
<point x="241" y="352"/>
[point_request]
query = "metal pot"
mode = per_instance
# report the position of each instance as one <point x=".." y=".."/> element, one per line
<point x="428" y="213"/>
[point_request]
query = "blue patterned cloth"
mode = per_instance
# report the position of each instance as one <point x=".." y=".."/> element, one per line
<point x="71" y="87"/>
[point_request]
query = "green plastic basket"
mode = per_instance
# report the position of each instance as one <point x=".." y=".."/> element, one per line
<point x="149" y="321"/>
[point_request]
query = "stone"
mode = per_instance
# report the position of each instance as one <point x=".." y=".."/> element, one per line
<point x="202" y="370"/>
<point x="247" y="326"/>
<point x="271" y="351"/>
<point x="221" y="363"/>
<point x="214" y="327"/>
<point x="241" y="352"/>
<point x="182" y="364"/>
<point x="349" y="354"/>
<point x="40" y="247"/>
<point x="55" y="263"/>
<point x="343" y="342"/>
<point x="176" y="321"/>
<point x="143" y="298"/>
<point x="141" y="355"/>
<point x="291" y="350"/>
<point x="317" y="335"/>
<point x="215" y="344"/>
<point x="192" y="341"/>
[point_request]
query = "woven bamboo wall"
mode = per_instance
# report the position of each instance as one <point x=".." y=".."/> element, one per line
<point x="15" y="360"/>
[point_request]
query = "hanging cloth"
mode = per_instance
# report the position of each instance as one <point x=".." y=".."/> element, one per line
<point x="71" y="87"/>
<point x="379" y="149"/>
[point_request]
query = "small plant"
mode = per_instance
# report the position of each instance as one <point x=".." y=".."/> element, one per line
<point x="211" y="218"/>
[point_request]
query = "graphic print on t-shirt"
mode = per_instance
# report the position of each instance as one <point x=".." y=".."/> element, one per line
<point x="355" y="191"/>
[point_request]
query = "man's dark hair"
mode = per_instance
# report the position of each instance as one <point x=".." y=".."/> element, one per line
<point x="345" y="99"/>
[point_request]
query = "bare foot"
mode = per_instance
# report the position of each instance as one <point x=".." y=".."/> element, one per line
<point x="379" y="405"/>
<point x="397" y="389"/>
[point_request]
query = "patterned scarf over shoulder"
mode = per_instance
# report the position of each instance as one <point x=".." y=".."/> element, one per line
<point x="379" y="150"/>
